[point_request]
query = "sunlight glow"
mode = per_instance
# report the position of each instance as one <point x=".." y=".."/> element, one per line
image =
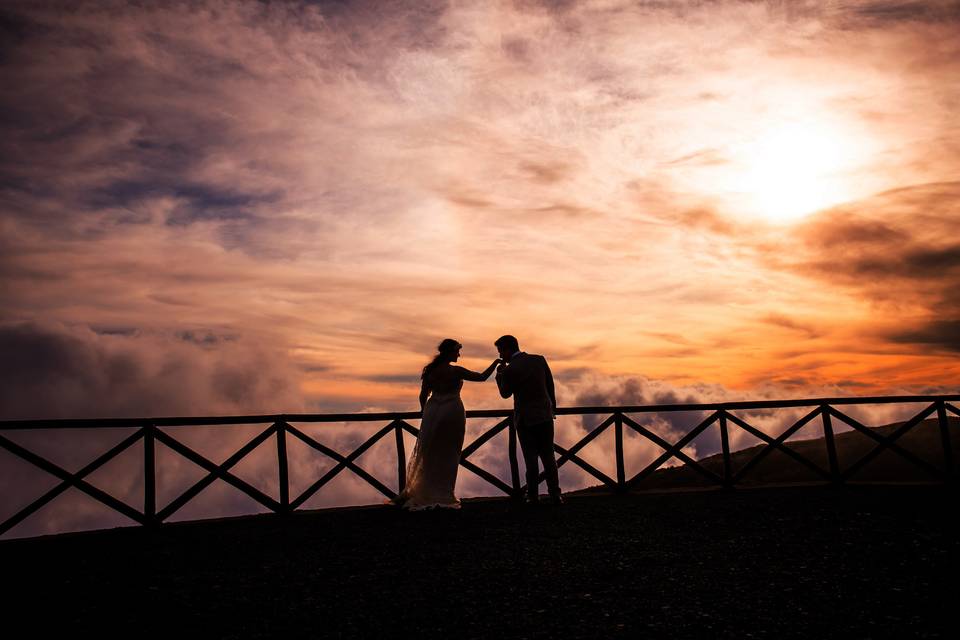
<point x="791" y="170"/>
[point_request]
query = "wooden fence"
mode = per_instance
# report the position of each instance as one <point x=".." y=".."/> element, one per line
<point x="150" y="431"/>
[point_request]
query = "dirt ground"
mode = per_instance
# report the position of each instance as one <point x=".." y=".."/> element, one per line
<point x="857" y="562"/>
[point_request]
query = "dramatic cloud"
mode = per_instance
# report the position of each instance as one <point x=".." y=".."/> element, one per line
<point x="357" y="181"/>
<point x="896" y="249"/>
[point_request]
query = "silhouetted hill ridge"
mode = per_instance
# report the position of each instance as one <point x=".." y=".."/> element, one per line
<point x="777" y="467"/>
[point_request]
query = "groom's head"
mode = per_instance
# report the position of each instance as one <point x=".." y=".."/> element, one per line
<point x="507" y="346"/>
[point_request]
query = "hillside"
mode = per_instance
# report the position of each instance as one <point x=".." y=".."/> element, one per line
<point x="801" y="562"/>
<point x="779" y="468"/>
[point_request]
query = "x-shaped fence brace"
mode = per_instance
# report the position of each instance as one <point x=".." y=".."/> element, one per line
<point x="150" y="433"/>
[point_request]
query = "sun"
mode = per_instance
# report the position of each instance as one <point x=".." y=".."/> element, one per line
<point x="789" y="170"/>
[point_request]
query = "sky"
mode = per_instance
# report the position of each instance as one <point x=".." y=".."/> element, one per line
<point x="221" y="207"/>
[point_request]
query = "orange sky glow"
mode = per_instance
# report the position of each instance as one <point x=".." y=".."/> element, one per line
<point x="304" y="199"/>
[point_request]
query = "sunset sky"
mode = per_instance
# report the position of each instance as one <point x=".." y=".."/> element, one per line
<point x="216" y="207"/>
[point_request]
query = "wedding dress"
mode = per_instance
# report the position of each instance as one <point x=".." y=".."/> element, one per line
<point x="432" y="471"/>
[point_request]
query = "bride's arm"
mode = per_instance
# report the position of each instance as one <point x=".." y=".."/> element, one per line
<point x="473" y="376"/>
<point x="424" y="393"/>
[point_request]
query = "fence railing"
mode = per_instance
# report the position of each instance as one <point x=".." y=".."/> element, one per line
<point x="149" y="431"/>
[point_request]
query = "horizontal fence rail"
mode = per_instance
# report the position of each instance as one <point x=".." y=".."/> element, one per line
<point x="617" y="418"/>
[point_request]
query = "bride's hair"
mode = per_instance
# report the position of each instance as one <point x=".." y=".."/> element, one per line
<point x="446" y="347"/>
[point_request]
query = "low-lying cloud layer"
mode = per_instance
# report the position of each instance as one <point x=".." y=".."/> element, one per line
<point x="54" y="371"/>
<point x="73" y="449"/>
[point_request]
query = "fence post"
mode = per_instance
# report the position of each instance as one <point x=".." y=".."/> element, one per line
<point x="149" y="473"/>
<point x="725" y="448"/>
<point x="512" y="451"/>
<point x="282" y="465"/>
<point x="945" y="440"/>
<point x="831" y="445"/>
<point x="618" y="431"/>
<point x="401" y="458"/>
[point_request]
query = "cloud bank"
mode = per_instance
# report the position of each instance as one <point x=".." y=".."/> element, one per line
<point x="106" y="374"/>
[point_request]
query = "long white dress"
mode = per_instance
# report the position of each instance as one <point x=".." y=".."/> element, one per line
<point x="432" y="470"/>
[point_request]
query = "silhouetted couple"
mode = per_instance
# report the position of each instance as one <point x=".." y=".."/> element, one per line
<point x="432" y="471"/>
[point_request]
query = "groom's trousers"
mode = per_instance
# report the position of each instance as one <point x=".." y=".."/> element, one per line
<point x="536" y="442"/>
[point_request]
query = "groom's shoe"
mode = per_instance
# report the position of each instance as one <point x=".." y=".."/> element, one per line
<point x="531" y="501"/>
<point x="555" y="499"/>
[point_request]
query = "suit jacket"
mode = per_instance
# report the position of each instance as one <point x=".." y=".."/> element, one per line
<point x="528" y="379"/>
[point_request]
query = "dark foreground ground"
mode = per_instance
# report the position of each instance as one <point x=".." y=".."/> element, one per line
<point x="856" y="562"/>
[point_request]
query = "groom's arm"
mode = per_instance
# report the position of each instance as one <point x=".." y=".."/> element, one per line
<point x="503" y="384"/>
<point x="550" y="388"/>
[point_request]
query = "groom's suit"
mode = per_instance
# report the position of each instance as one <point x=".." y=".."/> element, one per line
<point x="528" y="379"/>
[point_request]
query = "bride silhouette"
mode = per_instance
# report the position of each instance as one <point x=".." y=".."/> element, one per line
<point x="432" y="471"/>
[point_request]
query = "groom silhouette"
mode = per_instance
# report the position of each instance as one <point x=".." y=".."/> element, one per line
<point x="527" y="378"/>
